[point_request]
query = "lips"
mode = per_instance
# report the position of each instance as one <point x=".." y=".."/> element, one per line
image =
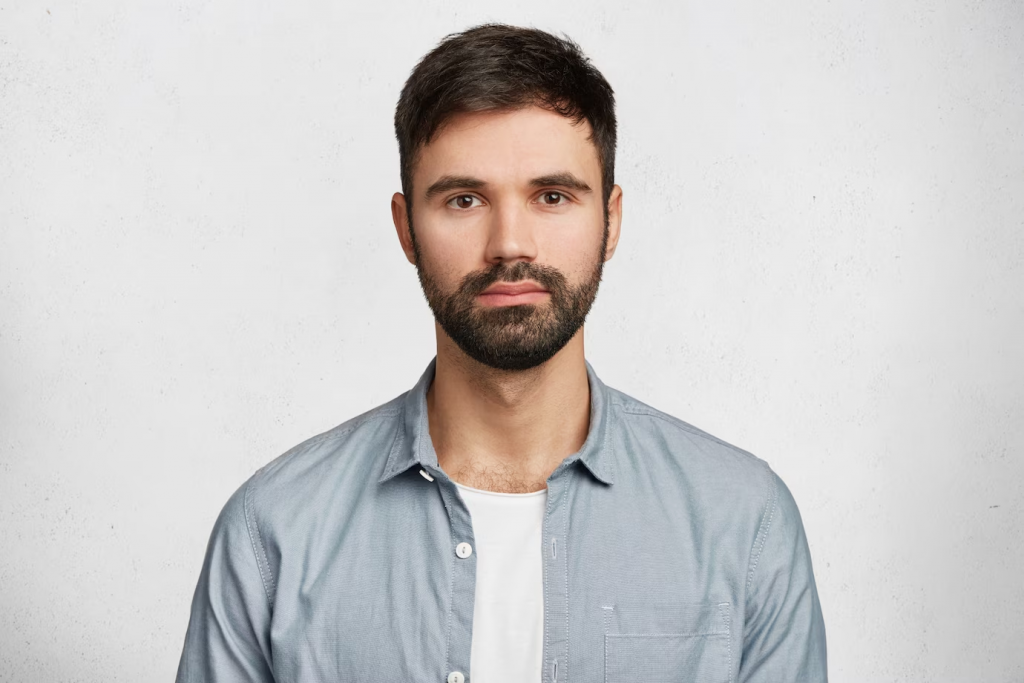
<point x="513" y="294"/>
<point x="513" y="289"/>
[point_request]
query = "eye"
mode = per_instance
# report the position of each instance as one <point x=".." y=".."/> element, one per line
<point x="553" y="199"/>
<point x="463" y="201"/>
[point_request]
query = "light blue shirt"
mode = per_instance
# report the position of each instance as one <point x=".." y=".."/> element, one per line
<point x="668" y="556"/>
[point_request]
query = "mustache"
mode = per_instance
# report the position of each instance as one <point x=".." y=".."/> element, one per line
<point x="476" y="282"/>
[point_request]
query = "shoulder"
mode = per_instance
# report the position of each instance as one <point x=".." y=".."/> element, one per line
<point x="343" y="457"/>
<point x="699" y="459"/>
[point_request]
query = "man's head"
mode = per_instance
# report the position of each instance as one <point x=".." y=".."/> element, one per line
<point x="507" y="148"/>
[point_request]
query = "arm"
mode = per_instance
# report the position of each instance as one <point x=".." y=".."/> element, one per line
<point x="784" y="637"/>
<point x="228" y="637"/>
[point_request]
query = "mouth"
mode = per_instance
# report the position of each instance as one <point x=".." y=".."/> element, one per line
<point x="512" y="299"/>
<point x="513" y="294"/>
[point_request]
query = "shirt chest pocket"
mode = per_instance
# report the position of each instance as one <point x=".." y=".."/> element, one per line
<point x="661" y="643"/>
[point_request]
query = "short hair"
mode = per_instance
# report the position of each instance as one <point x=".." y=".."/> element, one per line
<point x="497" y="67"/>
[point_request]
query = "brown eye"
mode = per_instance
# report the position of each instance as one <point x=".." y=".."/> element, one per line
<point x="463" y="201"/>
<point x="552" y="198"/>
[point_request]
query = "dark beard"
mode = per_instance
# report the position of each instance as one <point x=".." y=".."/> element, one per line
<point x="512" y="337"/>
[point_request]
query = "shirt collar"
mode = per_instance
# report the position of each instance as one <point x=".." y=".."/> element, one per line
<point x="412" y="445"/>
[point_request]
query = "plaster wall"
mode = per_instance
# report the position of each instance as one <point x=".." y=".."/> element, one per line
<point x="822" y="262"/>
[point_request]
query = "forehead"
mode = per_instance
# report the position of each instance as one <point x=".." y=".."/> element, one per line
<point x="509" y="145"/>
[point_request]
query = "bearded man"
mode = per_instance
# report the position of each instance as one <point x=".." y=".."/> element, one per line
<point x="510" y="518"/>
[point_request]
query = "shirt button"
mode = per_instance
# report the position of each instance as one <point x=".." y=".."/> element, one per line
<point x="456" y="676"/>
<point x="463" y="550"/>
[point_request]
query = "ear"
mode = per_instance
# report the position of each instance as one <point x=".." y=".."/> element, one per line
<point x="401" y="219"/>
<point x="614" y="220"/>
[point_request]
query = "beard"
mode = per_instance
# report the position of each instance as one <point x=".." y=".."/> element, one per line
<point x="512" y="338"/>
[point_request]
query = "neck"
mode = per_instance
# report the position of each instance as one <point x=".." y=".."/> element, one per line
<point x="507" y="430"/>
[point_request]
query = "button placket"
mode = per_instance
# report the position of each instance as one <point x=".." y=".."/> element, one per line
<point x="463" y="584"/>
<point x="556" y="599"/>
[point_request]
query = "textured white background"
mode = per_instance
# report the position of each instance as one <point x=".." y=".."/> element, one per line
<point x="822" y="261"/>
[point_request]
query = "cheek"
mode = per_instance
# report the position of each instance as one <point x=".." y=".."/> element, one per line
<point x="447" y="260"/>
<point x="576" y="255"/>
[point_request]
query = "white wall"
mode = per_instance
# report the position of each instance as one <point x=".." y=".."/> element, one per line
<point x="822" y="262"/>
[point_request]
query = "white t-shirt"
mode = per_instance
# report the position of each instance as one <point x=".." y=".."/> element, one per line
<point x="508" y="611"/>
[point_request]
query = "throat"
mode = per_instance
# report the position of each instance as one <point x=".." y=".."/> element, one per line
<point x="499" y="479"/>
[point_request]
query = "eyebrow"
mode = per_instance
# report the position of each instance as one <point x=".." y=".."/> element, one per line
<point x="563" y="179"/>
<point x="452" y="182"/>
<point x="447" y="183"/>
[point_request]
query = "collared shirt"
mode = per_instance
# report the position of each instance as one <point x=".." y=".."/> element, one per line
<point x="669" y="555"/>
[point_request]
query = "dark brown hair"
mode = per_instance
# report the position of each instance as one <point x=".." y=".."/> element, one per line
<point x="495" y="67"/>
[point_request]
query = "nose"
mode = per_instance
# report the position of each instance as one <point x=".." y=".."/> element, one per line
<point x="510" y="235"/>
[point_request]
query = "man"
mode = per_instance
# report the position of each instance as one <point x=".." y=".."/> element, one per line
<point x="510" y="518"/>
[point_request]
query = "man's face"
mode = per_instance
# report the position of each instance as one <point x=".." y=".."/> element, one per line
<point x="509" y="234"/>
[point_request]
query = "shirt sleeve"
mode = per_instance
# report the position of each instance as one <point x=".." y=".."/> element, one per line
<point x="784" y="637"/>
<point x="228" y="637"/>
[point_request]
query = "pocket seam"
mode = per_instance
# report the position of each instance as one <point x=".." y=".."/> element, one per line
<point x="700" y="634"/>
<point x="712" y="630"/>
<point x="608" y="638"/>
